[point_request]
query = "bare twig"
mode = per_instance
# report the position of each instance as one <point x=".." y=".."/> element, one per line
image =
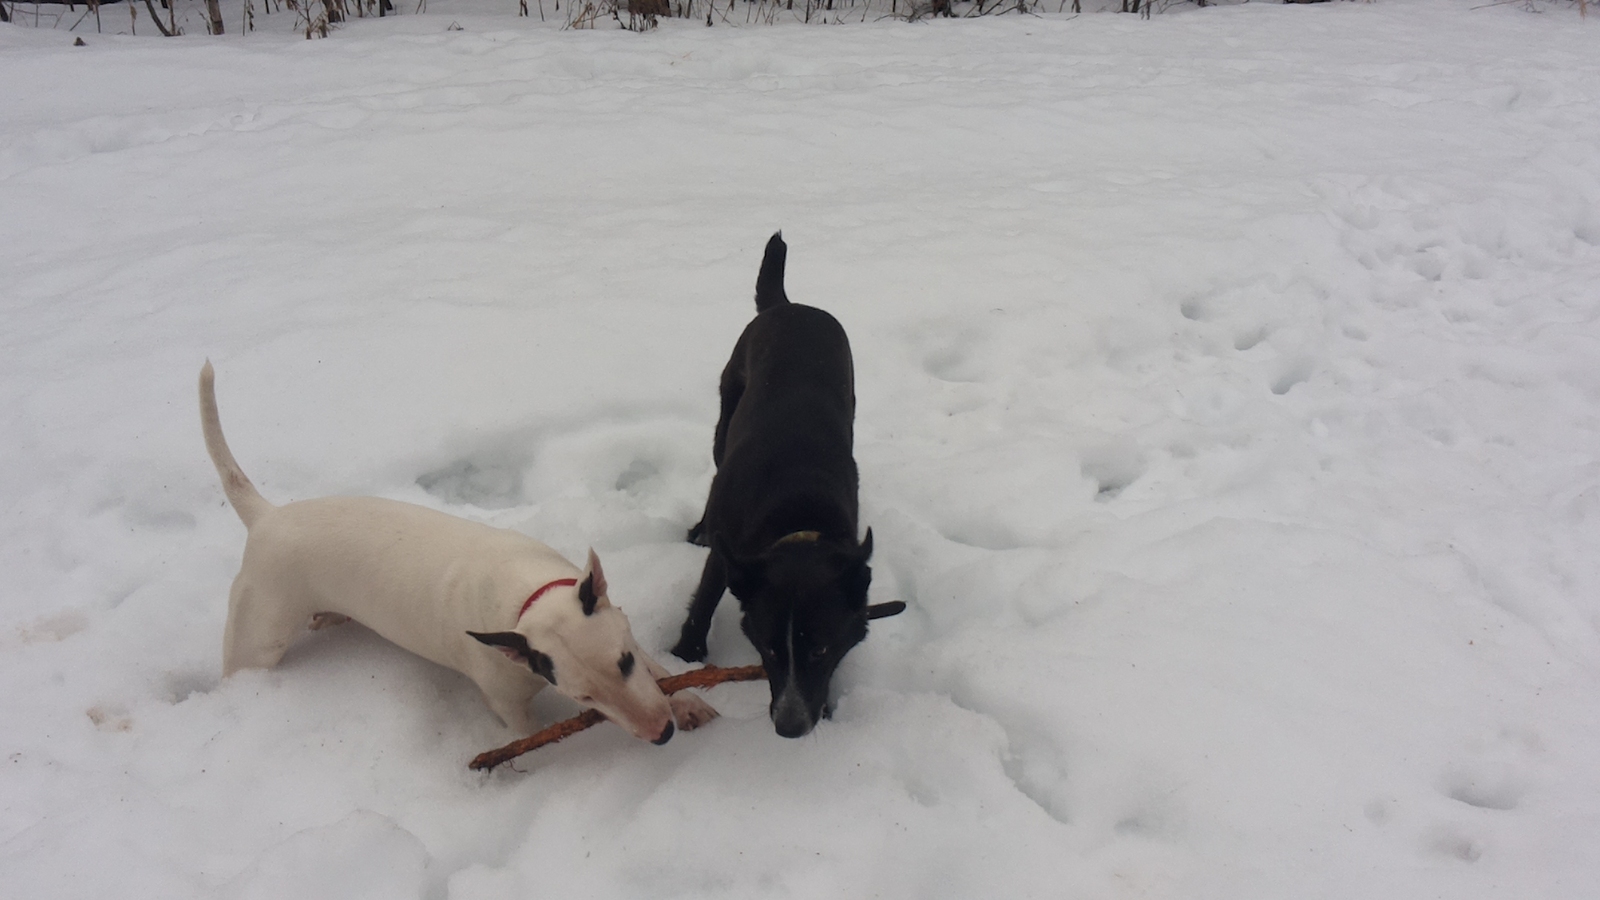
<point x="708" y="676"/>
<point x="156" y="18"/>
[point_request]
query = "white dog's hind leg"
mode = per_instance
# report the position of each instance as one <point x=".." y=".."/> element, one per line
<point x="258" y="632"/>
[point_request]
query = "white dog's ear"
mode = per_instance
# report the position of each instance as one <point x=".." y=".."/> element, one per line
<point x="515" y="647"/>
<point x="592" y="584"/>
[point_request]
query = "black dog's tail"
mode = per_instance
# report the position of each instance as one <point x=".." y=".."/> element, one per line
<point x="769" y="284"/>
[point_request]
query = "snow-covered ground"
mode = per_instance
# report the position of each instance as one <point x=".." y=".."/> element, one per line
<point x="1229" y="394"/>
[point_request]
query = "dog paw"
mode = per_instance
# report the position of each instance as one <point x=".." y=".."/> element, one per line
<point x="690" y="712"/>
<point x="690" y="651"/>
<point x="697" y="535"/>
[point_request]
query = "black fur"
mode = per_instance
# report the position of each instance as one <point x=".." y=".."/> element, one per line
<point x="586" y="595"/>
<point x="785" y="470"/>
<point x="515" y="647"/>
<point x="769" y="282"/>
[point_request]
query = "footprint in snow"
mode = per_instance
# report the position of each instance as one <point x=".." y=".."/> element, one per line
<point x="953" y="364"/>
<point x="1112" y="469"/>
<point x="1294" y="372"/>
<point x="1497" y="778"/>
<point x="489" y="482"/>
<point x="1249" y="339"/>
<point x="634" y="477"/>
<point x="54" y="627"/>
<point x="1484" y="788"/>
<point x="989" y="535"/>
<point x="110" y="718"/>
<point x="1451" y="842"/>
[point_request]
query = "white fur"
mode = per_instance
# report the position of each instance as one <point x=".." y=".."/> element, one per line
<point x="423" y="579"/>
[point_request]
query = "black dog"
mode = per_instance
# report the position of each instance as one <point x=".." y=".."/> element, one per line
<point x="781" y="517"/>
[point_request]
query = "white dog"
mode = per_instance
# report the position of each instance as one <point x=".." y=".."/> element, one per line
<point x="497" y="606"/>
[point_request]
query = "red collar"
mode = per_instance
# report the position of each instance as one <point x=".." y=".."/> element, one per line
<point x="559" y="582"/>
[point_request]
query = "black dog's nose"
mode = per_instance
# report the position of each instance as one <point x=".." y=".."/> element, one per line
<point x="666" y="735"/>
<point x="792" y="726"/>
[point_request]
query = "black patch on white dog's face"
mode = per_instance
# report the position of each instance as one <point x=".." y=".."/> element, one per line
<point x="625" y="664"/>
<point x="515" y="647"/>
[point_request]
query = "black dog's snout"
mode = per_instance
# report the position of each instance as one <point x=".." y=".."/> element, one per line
<point x="792" y="729"/>
<point x="792" y="725"/>
<point x="666" y="735"/>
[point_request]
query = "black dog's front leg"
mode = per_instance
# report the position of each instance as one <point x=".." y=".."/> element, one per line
<point x="691" y="645"/>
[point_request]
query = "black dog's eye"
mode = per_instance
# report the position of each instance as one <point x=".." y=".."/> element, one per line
<point x="818" y="652"/>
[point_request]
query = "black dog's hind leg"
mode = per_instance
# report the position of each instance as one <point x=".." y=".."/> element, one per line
<point x="691" y="646"/>
<point x="732" y="390"/>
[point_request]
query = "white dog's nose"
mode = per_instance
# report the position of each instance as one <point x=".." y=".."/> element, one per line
<point x="666" y="734"/>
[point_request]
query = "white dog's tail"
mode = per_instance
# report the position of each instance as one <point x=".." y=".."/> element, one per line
<point x="246" y="500"/>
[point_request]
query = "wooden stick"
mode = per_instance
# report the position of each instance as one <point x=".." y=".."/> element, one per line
<point x="707" y="676"/>
<point x="710" y="676"/>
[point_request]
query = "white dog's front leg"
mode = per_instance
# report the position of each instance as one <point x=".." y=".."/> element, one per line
<point x="689" y="711"/>
<point x="508" y="693"/>
<point x="515" y="714"/>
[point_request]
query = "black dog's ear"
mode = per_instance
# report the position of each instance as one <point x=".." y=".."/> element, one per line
<point x="858" y="575"/>
<point x="744" y="575"/>
<point x="856" y="580"/>
<point x="515" y="647"/>
<point x="885" y="610"/>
